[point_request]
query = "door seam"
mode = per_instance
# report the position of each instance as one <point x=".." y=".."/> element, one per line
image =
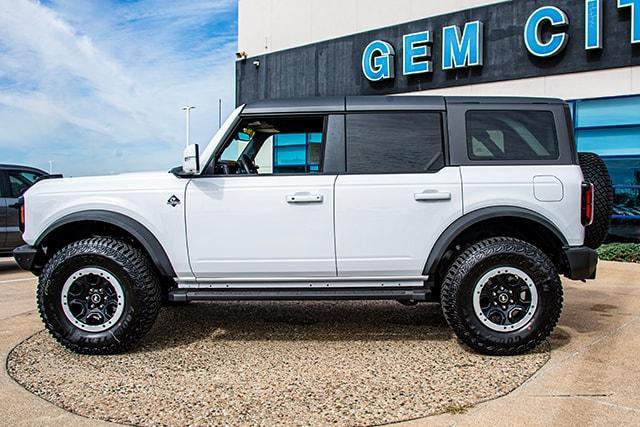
<point x="461" y="189"/>
<point x="186" y="226"/>
<point x="335" y="240"/>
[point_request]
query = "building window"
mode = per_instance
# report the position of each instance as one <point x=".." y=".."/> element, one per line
<point x="610" y="127"/>
<point x="394" y="143"/>
<point x="511" y="135"/>
<point x="297" y="152"/>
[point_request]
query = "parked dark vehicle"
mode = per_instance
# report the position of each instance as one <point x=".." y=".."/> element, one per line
<point x="14" y="181"/>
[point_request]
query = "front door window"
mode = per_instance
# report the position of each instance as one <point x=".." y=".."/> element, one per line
<point x="272" y="146"/>
<point x="20" y="181"/>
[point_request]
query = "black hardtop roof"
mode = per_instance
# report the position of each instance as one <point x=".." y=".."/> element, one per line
<point x="4" y="166"/>
<point x="338" y="104"/>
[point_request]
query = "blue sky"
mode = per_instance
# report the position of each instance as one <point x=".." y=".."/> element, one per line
<point x="97" y="85"/>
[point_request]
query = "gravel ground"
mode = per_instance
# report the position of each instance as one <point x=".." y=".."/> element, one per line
<point x="312" y="363"/>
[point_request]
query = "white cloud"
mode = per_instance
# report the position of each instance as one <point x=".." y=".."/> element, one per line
<point x="110" y="78"/>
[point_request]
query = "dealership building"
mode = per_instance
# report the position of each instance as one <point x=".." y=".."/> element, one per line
<point x="586" y="52"/>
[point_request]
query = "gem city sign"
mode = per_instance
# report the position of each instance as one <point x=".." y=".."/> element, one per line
<point x="462" y="49"/>
<point x="496" y="42"/>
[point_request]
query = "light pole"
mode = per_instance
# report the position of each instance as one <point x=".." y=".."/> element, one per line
<point x="188" y="109"/>
<point x="50" y="167"/>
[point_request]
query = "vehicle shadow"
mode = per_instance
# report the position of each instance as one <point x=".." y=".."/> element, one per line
<point x="587" y="312"/>
<point x="296" y="321"/>
<point x="8" y="265"/>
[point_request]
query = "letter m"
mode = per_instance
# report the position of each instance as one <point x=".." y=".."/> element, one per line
<point x="462" y="50"/>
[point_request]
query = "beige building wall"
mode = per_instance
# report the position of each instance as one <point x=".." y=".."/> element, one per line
<point x="269" y="25"/>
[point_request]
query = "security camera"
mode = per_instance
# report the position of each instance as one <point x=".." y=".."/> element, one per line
<point x="241" y="55"/>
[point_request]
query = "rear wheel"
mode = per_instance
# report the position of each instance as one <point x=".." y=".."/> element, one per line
<point x="595" y="171"/>
<point x="502" y="296"/>
<point x="98" y="296"/>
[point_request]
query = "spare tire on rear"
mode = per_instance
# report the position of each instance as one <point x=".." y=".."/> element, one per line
<point x="595" y="171"/>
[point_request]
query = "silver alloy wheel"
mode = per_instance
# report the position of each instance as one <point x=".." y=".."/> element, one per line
<point x="92" y="299"/>
<point x="505" y="299"/>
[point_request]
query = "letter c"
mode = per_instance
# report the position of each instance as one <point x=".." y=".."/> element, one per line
<point x="535" y="45"/>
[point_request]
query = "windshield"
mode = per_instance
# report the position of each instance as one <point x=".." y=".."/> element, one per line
<point x="219" y="135"/>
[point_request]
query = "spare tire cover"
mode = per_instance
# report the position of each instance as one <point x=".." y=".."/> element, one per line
<point x="595" y="171"/>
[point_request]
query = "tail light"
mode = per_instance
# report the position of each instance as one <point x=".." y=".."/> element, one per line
<point x="586" y="209"/>
<point x="22" y="217"/>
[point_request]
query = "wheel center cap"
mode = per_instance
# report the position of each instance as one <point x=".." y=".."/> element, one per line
<point x="95" y="298"/>
<point x="503" y="298"/>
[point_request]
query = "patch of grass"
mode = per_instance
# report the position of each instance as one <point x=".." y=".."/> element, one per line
<point x="623" y="252"/>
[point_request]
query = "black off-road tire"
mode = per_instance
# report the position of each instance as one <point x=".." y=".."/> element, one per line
<point x="137" y="277"/>
<point x="595" y="171"/>
<point x="459" y="285"/>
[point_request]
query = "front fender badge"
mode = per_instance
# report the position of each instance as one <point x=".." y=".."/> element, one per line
<point x="173" y="201"/>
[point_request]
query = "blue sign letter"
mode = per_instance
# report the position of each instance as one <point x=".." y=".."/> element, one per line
<point x="635" y="17"/>
<point x="461" y="51"/>
<point x="593" y="24"/>
<point x="556" y="43"/>
<point x="377" y="61"/>
<point x="414" y="46"/>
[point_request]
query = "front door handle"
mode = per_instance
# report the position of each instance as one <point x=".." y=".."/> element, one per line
<point x="304" y="198"/>
<point x="430" y="195"/>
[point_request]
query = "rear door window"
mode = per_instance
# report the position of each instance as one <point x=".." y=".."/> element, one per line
<point x="511" y="135"/>
<point x="402" y="142"/>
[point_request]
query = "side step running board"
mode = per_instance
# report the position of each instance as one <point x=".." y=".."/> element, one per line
<point x="419" y="294"/>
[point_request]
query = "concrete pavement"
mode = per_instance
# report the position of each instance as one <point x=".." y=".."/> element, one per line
<point x="18" y="320"/>
<point x="593" y="376"/>
<point x="591" y="379"/>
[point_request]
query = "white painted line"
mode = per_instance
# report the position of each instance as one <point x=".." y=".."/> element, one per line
<point x="18" y="280"/>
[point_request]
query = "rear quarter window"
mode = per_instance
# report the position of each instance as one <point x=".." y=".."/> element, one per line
<point x="511" y="135"/>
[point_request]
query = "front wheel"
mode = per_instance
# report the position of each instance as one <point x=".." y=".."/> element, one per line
<point x="98" y="296"/>
<point x="502" y="296"/>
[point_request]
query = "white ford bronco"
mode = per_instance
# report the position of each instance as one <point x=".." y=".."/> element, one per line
<point x="478" y="204"/>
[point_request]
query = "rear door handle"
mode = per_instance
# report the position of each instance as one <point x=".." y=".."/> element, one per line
<point x="304" y="198"/>
<point x="430" y="195"/>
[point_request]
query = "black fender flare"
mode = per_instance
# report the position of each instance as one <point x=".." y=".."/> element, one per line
<point x="138" y="231"/>
<point x="474" y="217"/>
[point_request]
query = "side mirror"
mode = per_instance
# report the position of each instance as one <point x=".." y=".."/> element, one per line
<point x="191" y="160"/>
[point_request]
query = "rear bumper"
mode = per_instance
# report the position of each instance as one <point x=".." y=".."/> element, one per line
<point x="582" y="262"/>
<point x="25" y="256"/>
